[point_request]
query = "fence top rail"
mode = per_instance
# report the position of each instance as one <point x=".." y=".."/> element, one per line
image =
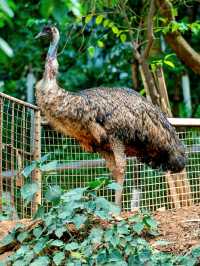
<point x="192" y="122"/>
<point x="11" y="98"/>
<point x="178" y="122"/>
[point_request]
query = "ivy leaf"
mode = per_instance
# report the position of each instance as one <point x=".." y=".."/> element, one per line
<point x="40" y="245"/>
<point x="138" y="227"/>
<point x="79" y="220"/>
<point x="40" y="212"/>
<point x="71" y="246"/>
<point x="53" y="194"/>
<point x="22" y="236"/>
<point x="73" y="195"/>
<point x="28" y="169"/>
<point x="196" y="252"/>
<point x="43" y="260"/>
<point x="99" y="19"/>
<point x="57" y="243"/>
<point x="150" y="222"/>
<point x="96" y="235"/>
<point x="77" y="255"/>
<point x="45" y="157"/>
<point x="58" y="258"/>
<point x="59" y="231"/>
<point x="28" y="191"/>
<point x="37" y="231"/>
<point x="51" y="166"/>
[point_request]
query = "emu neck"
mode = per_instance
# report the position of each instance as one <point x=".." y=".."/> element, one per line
<point x="51" y="66"/>
<point x="52" y="52"/>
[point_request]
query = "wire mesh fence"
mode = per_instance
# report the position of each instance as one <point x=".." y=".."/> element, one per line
<point x="144" y="187"/>
<point x="22" y="137"/>
<point x="17" y="150"/>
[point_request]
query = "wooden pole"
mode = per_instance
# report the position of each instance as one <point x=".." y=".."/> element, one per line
<point x="165" y="105"/>
<point x="36" y="177"/>
<point x="1" y="147"/>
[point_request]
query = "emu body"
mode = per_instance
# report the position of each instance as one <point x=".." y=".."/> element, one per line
<point x="115" y="122"/>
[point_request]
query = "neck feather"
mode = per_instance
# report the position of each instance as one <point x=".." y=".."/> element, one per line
<point x="52" y="52"/>
<point x="51" y="66"/>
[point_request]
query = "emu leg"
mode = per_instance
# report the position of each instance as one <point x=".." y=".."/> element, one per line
<point x="116" y="162"/>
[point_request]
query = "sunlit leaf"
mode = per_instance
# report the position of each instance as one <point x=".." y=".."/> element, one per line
<point x="106" y="22"/>
<point x="5" y="47"/>
<point x="99" y="19"/>
<point x="169" y="63"/>
<point x="5" y="7"/>
<point x="115" y="29"/>
<point x="91" y="51"/>
<point x="88" y="18"/>
<point x="123" y="37"/>
<point x="100" y="44"/>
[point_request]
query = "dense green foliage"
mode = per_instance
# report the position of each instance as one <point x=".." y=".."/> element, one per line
<point x="83" y="229"/>
<point x="95" y="47"/>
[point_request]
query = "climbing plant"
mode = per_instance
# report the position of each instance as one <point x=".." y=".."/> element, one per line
<point x="83" y="229"/>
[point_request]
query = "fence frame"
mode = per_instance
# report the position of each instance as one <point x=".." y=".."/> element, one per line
<point x="38" y="123"/>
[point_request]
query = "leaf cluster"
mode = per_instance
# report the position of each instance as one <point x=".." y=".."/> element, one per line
<point x="83" y="229"/>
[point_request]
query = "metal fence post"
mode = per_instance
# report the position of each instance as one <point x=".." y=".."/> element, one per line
<point x="37" y="177"/>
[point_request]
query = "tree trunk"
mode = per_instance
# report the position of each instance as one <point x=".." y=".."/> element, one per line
<point x="181" y="47"/>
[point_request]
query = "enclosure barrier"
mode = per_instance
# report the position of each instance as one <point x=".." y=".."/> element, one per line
<point x="24" y="138"/>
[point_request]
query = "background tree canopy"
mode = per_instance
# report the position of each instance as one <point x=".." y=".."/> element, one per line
<point x="100" y="41"/>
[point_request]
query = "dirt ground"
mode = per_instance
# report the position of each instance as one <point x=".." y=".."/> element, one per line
<point x="180" y="228"/>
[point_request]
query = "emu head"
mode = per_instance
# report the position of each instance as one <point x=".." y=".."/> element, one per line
<point x="50" y="32"/>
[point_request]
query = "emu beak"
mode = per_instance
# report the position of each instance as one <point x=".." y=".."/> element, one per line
<point x="41" y="34"/>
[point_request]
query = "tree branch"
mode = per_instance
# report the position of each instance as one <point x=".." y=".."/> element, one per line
<point x="181" y="47"/>
<point x="150" y="35"/>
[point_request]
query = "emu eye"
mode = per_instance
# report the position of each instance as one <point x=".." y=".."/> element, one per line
<point x="47" y="29"/>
